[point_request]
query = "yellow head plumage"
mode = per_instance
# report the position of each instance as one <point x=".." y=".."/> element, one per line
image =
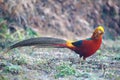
<point x="100" y="28"/>
<point x="98" y="32"/>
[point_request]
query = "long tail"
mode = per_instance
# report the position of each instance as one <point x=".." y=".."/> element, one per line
<point x="41" y="42"/>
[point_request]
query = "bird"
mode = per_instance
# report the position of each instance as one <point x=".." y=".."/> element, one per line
<point x="84" y="48"/>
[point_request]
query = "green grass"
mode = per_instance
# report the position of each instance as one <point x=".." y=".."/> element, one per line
<point x="7" y="37"/>
<point x="65" y="70"/>
<point x="19" y="60"/>
<point x="2" y="77"/>
<point x="14" y="69"/>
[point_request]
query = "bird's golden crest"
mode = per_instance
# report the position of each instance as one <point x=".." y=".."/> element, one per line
<point x="100" y="28"/>
<point x="98" y="32"/>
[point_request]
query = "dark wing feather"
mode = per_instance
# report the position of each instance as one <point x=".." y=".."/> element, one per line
<point x="78" y="43"/>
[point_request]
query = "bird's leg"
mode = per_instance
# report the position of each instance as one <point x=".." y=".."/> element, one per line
<point x="81" y="60"/>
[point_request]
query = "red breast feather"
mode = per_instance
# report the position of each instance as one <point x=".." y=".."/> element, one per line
<point x="87" y="47"/>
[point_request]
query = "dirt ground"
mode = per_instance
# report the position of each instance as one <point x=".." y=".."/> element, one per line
<point x="61" y="64"/>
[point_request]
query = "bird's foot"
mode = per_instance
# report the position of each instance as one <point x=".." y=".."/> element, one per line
<point x="81" y="61"/>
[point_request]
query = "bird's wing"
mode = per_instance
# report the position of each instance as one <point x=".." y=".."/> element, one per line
<point x="79" y="43"/>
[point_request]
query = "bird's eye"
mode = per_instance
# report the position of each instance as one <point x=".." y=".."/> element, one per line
<point x="100" y="32"/>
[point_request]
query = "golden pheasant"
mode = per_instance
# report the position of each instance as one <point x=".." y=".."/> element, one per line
<point x="84" y="48"/>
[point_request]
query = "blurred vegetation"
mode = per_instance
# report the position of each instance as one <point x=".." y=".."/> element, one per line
<point x="7" y="37"/>
<point x="65" y="70"/>
<point x="13" y="69"/>
<point x="2" y="77"/>
<point x="20" y="34"/>
<point x="19" y="60"/>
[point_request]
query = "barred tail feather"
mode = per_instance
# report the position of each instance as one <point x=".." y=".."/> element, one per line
<point x="41" y="42"/>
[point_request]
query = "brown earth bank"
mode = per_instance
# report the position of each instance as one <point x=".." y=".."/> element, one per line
<point x="70" y="19"/>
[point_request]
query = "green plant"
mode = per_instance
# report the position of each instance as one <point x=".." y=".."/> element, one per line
<point x="3" y="28"/>
<point x="19" y="60"/>
<point x="117" y="78"/>
<point x="2" y="77"/>
<point x="7" y="38"/>
<point x="14" y="69"/>
<point x="31" y="33"/>
<point x="65" y="70"/>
